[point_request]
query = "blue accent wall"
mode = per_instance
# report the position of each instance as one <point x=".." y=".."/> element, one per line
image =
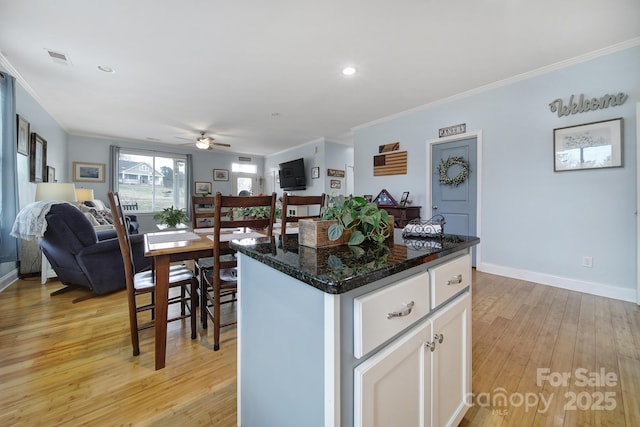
<point x="536" y="224"/>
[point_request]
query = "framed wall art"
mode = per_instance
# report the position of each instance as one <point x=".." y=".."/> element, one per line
<point x="335" y="183"/>
<point x="37" y="158"/>
<point x="588" y="146"/>
<point x="221" y="174"/>
<point x="51" y="174"/>
<point x="315" y="172"/>
<point x="202" y="187"/>
<point x="404" y="198"/>
<point x="23" y="135"/>
<point x="88" y="172"/>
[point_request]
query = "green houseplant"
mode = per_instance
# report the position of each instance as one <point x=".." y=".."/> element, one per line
<point x="171" y="216"/>
<point x="363" y="218"/>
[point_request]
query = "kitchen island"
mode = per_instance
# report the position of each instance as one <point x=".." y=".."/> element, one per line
<point x="354" y="336"/>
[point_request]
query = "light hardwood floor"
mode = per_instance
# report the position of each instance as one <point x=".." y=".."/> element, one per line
<point x="71" y="364"/>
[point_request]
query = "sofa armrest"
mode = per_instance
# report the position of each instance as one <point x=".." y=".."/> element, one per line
<point x="106" y="234"/>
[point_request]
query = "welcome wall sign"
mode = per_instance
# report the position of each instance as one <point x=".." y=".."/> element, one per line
<point x="585" y="104"/>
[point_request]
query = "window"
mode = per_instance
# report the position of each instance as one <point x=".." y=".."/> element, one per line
<point x="244" y="176"/>
<point x="150" y="182"/>
<point x="237" y="167"/>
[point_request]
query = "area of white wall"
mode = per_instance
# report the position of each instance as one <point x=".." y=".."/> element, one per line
<point x="313" y="154"/>
<point x="340" y="157"/>
<point x="537" y="224"/>
<point x="48" y="128"/>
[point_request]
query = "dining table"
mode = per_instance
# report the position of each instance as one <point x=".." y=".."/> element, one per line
<point x="169" y="246"/>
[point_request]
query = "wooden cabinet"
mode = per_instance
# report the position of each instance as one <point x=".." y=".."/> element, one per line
<point x="451" y="362"/>
<point x="422" y="378"/>
<point x="391" y="387"/>
<point x="402" y="214"/>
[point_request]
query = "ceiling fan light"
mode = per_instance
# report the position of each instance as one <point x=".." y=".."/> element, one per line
<point x="202" y="143"/>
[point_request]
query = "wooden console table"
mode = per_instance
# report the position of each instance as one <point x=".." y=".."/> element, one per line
<point x="402" y="214"/>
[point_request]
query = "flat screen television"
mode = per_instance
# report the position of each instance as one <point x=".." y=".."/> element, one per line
<point x="292" y="176"/>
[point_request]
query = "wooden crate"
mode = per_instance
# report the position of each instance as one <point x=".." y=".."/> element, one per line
<point x="314" y="233"/>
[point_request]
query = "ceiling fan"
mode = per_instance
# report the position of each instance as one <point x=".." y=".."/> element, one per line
<point x="204" y="142"/>
<point x="207" y="142"/>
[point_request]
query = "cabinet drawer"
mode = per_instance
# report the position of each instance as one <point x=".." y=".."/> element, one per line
<point x="449" y="278"/>
<point x="379" y="315"/>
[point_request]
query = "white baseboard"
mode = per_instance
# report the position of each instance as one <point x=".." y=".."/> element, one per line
<point x="599" y="289"/>
<point x="8" y="279"/>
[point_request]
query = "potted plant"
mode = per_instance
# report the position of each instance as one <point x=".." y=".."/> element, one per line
<point x="365" y="220"/>
<point x="171" y="216"/>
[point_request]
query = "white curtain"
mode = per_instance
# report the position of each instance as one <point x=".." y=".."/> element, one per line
<point x="8" y="168"/>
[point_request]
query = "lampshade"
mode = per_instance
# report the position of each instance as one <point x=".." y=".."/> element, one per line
<point x="84" y="194"/>
<point x="56" y="191"/>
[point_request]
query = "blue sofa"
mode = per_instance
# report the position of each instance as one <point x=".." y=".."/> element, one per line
<point x="82" y="257"/>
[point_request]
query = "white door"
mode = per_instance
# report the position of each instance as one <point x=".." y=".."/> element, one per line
<point x="451" y="362"/>
<point x="243" y="182"/>
<point x="389" y="388"/>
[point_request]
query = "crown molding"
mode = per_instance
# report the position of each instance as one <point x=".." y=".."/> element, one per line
<point x="511" y="80"/>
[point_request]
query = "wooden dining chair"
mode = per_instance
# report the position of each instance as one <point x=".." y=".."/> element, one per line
<point x="143" y="283"/>
<point x="202" y="213"/>
<point x="290" y="215"/>
<point x="220" y="282"/>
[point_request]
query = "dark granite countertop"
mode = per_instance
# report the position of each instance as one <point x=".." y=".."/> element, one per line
<point x="338" y="269"/>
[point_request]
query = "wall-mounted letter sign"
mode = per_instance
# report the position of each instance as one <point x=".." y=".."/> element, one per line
<point x="585" y="104"/>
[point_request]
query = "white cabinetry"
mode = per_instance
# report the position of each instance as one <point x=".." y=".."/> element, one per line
<point x="423" y="377"/>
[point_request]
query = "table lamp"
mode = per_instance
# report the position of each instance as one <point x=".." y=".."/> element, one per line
<point x="56" y="191"/>
<point x="84" y="194"/>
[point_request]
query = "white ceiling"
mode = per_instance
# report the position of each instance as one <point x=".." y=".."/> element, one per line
<point x="264" y="75"/>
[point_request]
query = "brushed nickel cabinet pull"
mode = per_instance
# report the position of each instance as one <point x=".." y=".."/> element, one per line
<point x="404" y="312"/>
<point x="455" y="280"/>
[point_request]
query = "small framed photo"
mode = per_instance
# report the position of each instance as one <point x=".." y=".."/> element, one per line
<point x="337" y="173"/>
<point x="37" y="158"/>
<point x="588" y="146"/>
<point x="51" y="174"/>
<point x="368" y="197"/>
<point x="221" y="174"/>
<point x="88" y="172"/>
<point x="202" y="187"/>
<point x="404" y="198"/>
<point x="335" y="183"/>
<point x="315" y="172"/>
<point x="23" y="136"/>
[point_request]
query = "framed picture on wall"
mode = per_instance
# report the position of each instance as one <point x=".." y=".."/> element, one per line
<point x="23" y="136"/>
<point x="88" y="172"/>
<point x="51" y="174"/>
<point x="335" y="183"/>
<point x="315" y="172"/>
<point x="588" y="146"/>
<point x="37" y="158"/>
<point x="202" y="187"/>
<point x="221" y="174"/>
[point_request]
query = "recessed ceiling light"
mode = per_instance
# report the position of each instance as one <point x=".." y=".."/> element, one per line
<point x="106" y="69"/>
<point x="349" y="71"/>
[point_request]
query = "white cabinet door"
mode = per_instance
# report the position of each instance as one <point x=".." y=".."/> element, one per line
<point x="391" y="387"/>
<point x="451" y="362"/>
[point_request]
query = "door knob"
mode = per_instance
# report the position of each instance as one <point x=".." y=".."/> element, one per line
<point x="434" y="207"/>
